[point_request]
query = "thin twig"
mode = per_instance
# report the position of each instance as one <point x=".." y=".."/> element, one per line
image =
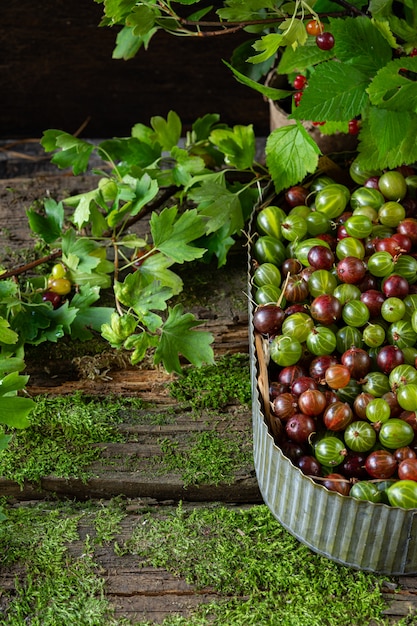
<point x="29" y="266"/>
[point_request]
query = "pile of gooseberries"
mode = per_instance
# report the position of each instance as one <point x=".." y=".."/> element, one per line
<point x="335" y="290"/>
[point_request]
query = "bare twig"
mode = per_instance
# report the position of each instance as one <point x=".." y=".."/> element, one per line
<point x="29" y="266"/>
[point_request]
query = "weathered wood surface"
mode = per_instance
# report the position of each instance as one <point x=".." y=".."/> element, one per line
<point x="136" y="592"/>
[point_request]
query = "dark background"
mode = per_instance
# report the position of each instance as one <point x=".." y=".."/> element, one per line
<point x="57" y="71"/>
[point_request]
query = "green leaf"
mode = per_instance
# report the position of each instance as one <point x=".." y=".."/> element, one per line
<point x="219" y="244"/>
<point x="144" y="190"/>
<point x="74" y="153"/>
<point x="143" y="299"/>
<point x="12" y="382"/>
<point x="336" y="92"/>
<point x="219" y="205"/>
<point x="130" y="150"/>
<point x="88" y="317"/>
<point x="82" y="213"/>
<point x="238" y="144"/>
<point x="11" y="364"/>
<point x="140" y="344"/>
<point x="7" y="335"/>
<point x="360" y="43"/>
<point x="387" y="139"/>
<point x="172" y="235"/>
<point x="186" y="166"/>
<point x="155" y="267"/>
<point x="77" y="252"/>
<point x="4" y="442"/>
<point x="167" y="132"/>
<point x="30" y="321"/>
<point x="142" y="19"/>
<point x="293" y="33"/>
<point x="118" y="329"/>
<point x="128" y="44"/>
<point x="268" y="92"/>
<point x="48" y="226"/>
<point x="14" y="411"/>
<point x="395" y="89"/>
<point x="116" y="11"/>
<point x="291" y="154"/>
<point x="267" y="47"/>
<point x="179" y="338"/>
<point x="203" y="126"/>
<point x="300" y="58"/>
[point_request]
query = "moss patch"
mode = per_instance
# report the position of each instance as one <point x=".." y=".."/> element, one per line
<point x="53" y="588"/>
<point x="210" y="458"/>
<point x="214" y="386"/>
<point x="60" y="440"/>
<point x="263" y="574"/>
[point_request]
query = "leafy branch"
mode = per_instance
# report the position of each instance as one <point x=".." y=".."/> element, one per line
<point x="198" y="190"/>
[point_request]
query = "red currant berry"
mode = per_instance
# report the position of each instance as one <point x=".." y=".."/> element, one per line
<point x="353" y="127"/>
<point x="325" y="41"/>
<point x="314" y="27"/>
<point x="299" y="81"/>
<point x="413" y="52"/>
<point x="297" y="98"/>
<point x="318" y="123"/>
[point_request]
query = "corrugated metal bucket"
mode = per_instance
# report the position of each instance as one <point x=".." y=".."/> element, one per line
<point x="356" y="533"/>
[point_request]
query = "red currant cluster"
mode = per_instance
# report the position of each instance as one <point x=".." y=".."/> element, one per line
<point x="58" y="286"/>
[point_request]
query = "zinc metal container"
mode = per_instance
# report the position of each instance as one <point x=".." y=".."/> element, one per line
<point x="356" y="533"/>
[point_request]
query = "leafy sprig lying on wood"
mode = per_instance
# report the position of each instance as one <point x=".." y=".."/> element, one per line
<point x="197" y="192"/>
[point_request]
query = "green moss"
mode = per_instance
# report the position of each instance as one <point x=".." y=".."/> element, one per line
<point x="210" y="458"/>
<point x="60" y="440"/>
<point x="53" y="588"/>
<point x="262" y="574"/>
<point x="214" y="386"/>
<point x="258" y="572"/>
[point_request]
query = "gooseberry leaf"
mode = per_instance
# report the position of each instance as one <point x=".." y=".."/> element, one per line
<point x="74" y="153"/>
<point x="88" y="317"/>
<point x="140" y="344"/>
<point x="118" y="328"/>
<point x="269" y="92"/>
<point x="14" y="411"/>
<point x="291" y="154"/>
<point x="237" y="143"/>
<point x="186" y="166"/>
<point x="152" y="297"/>
<point x="219" y="205"/>
<point x="179" y="337"/>
<point x="139" y="151"/>
<point x="155" y="267"/>
<point x="7" y="335"/>
<point x="11" y="364"/>
<point x="167" y="132"/>
<point x="142" y="19"/>
<point x="128" y="44"/>
<point x="12" y="382"/>
<point x="172" y="235"/>
<point x="48" y="226"/>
